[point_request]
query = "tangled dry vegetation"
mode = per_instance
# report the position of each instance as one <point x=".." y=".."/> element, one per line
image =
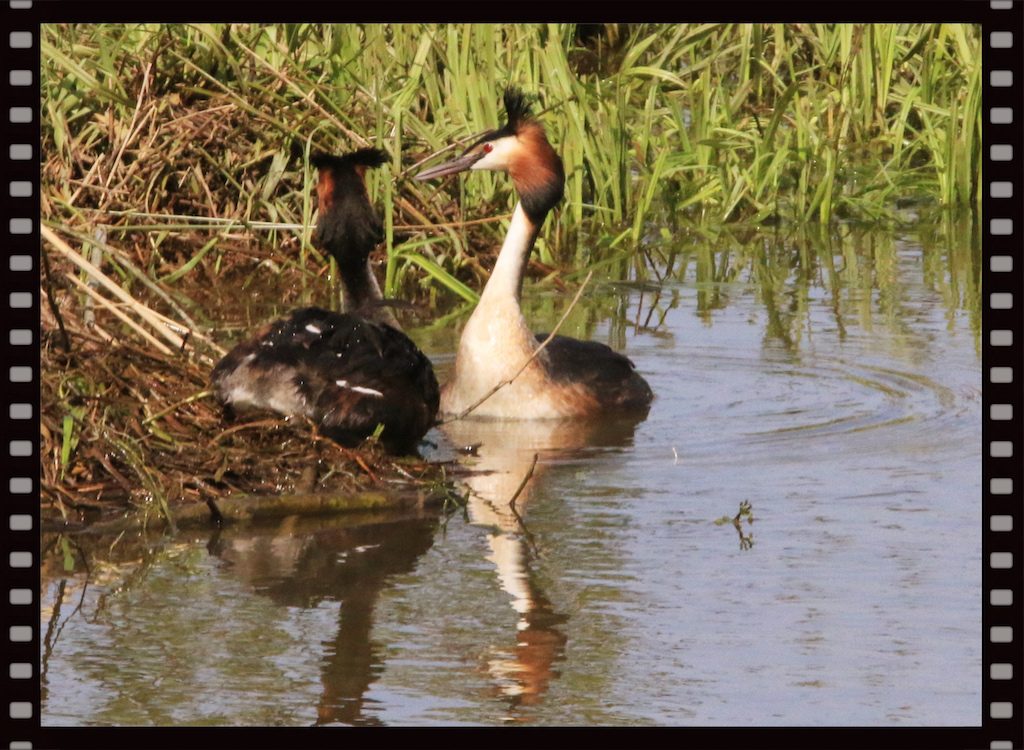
<point x="137" y="286"/>
<point x="127" y="422"/>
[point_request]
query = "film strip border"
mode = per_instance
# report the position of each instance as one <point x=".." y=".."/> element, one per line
<point x="1003" y="227"/>
<point x="21" y="295"/>
<point x="1002" y="360"/>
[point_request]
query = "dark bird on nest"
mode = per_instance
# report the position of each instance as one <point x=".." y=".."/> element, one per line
<point x="350" y="373"/>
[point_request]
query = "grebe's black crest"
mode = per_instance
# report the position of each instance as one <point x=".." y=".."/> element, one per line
<point x="517" y="109"/>
<point x="364" y="157"/>
<point x="517" y="112"/>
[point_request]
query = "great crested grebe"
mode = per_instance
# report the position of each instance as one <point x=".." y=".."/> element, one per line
<point x="347" y="372"/>
<point x="569" y="378"/>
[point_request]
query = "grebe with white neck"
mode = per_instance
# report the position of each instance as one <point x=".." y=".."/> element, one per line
<point x="347" y="372"/>
<point x="569" y="377"/>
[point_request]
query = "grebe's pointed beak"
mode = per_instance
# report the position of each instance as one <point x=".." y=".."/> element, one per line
<point x="460" y="164"/>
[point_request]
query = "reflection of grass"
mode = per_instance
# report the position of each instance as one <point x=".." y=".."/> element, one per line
<point x="454" y="500"/>
<point x="860" y="277"/>
<point x="858" y="272"/>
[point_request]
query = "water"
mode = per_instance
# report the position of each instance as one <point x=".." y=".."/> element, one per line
<point x="843" y="404"/>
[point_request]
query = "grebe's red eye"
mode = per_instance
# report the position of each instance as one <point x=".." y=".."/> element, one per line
<point x="488" y="148"/>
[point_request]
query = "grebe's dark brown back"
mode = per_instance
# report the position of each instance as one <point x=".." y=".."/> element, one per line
<point x="569" y="378"/>
<point x="347" y="372"/>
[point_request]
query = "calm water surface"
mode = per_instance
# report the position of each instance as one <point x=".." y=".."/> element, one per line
<point x="843" y="404"/>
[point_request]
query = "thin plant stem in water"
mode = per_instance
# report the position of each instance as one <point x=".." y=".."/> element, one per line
<point x="515" y="513"/>
<point x="522" y="485"/>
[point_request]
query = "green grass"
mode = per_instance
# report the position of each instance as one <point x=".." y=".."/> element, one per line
<point x="712" y="124"/>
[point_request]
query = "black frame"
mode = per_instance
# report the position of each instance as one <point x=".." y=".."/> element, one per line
<point x="21" y="537"/>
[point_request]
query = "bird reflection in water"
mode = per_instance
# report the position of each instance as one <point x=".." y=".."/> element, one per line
<point x="503" y="457"/>
<point x="348" y="560"/>
<point x="351" y="560"/>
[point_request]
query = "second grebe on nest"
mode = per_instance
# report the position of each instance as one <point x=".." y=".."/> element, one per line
<point x="569" y="378"/>
<point x="347" y="372"/>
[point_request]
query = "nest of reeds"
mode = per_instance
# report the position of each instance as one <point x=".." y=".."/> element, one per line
<point x="128" y="423"/>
